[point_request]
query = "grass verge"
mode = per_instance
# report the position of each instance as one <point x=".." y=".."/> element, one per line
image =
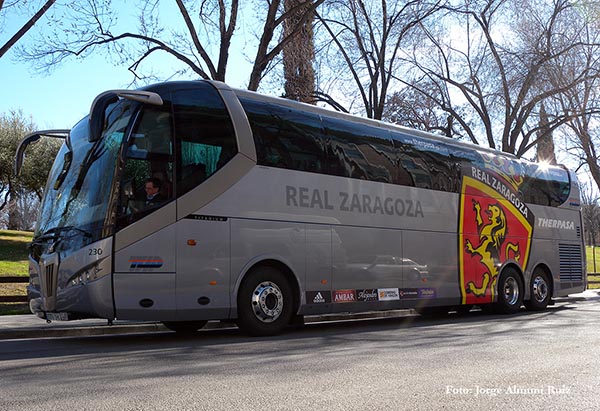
<point x="13" y="261"/>
<point x="14" y="309"/>
<point x="13" y="252"/>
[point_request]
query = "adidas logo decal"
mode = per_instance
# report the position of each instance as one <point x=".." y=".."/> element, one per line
<point x="318" y="298"/>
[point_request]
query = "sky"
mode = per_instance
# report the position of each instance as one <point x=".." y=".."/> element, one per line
<point x="61" y="98"/>
<point x="58" y="99"/>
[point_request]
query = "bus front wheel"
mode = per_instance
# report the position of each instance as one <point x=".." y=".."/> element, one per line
<point x="539" y="291"/>
<point x="510" y="292"/>
<point x="265" y="302"/>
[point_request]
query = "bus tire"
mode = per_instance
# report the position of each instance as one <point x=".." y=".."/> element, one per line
<point x="265" y="302"/>
<point x="510" y="292"/>
<point x="184" y="327"/>
<point x="539" y="291"/>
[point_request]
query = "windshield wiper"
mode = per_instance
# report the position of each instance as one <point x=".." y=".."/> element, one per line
<point x="54" y="233"/>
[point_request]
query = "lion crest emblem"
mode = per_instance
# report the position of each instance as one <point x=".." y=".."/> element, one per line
<point x="492" y="235"/>
<point x="492" y="231"/>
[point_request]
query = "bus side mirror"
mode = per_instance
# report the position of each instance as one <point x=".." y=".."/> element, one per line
<point x="96" y="121"/>
<point x="32" y="138"/>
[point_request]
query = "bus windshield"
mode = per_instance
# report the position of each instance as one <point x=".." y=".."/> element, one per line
<point x="79" y="186"/>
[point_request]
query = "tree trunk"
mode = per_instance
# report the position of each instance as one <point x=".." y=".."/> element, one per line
<point x="14" y="218"/>
<point x="298" y="55"/>
<point x="545" y="145"/>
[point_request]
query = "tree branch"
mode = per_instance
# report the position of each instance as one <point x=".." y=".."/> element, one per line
<point x="11" y="42"/>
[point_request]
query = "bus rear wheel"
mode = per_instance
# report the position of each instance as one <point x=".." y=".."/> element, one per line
<point x="510" y="292"/>
<point x="184" y="327"/>
<point x="265" y="302"/>
<point x="539" y="291"/>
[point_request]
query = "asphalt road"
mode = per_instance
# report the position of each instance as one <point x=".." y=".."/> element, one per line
<point x="530" y="361"/>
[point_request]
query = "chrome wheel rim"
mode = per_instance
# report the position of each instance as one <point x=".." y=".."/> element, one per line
<point x="539" y="289"/>
<point x="267" y="302"/>
<point x="511" y="291"/>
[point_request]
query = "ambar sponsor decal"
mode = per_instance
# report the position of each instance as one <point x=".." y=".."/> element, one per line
<point x="367" y="295"/>
<point x="388" y="294"/>
<point x="344" y="296"/>
<point x="318" y="297"/>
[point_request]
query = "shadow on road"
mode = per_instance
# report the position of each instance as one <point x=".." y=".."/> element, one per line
<point x="325" y="338"/>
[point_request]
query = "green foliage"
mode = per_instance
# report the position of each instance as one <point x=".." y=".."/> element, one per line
<point x="39" y="156"/>
<point x="19" y="194"/>
<point x="12" y="127"/>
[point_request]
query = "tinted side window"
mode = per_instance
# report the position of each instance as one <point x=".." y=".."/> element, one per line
<point x="424" y="163"/>
<point x="285" y="137"/>
<point x="463" y="159"/>
<point x="549" y="186"/>
<point x="359" y="151"/>
<point x="204" y="135"/>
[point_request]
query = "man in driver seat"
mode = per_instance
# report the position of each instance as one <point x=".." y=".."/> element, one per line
<point x="153" y="195"/>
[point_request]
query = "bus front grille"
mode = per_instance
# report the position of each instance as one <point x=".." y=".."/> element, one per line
<point x="50" y="281"/>
<point x="571" y="262"/>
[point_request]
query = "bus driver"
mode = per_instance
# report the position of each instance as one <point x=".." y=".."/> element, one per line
<point x="153" y="195"/>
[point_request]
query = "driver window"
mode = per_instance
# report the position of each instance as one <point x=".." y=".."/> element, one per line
<point x="204" y="134"/>
<point x="147" y="181"/>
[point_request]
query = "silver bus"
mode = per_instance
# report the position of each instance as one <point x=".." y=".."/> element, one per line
<point x="184" y="202"/>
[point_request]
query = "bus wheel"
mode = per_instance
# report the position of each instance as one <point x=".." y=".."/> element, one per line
<point x="510" y="292"/>
<point x="539" y="291"/>
<point x="184" y="327"/>
<point x="265" y="302"/>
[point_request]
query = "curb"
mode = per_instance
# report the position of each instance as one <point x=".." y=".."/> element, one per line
<point x="75" y="329"/>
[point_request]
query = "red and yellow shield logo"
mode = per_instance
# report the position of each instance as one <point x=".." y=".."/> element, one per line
<point x="495" y="227"/>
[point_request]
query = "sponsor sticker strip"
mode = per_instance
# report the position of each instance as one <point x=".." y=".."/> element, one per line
<point x="368" y="295"/>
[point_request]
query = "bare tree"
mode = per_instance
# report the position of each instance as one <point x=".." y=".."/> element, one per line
<point x="200" y="45"/>
<point x="368" y="37"/>
<point x="590" y="210"/>
<point x="416" y="109"/>
<point x="26" y="27"/>
<point x="582" y="130"/>
<point x="500" y="67"/>
<point x="301" y="12"/>
<point x="298" y="55"/>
